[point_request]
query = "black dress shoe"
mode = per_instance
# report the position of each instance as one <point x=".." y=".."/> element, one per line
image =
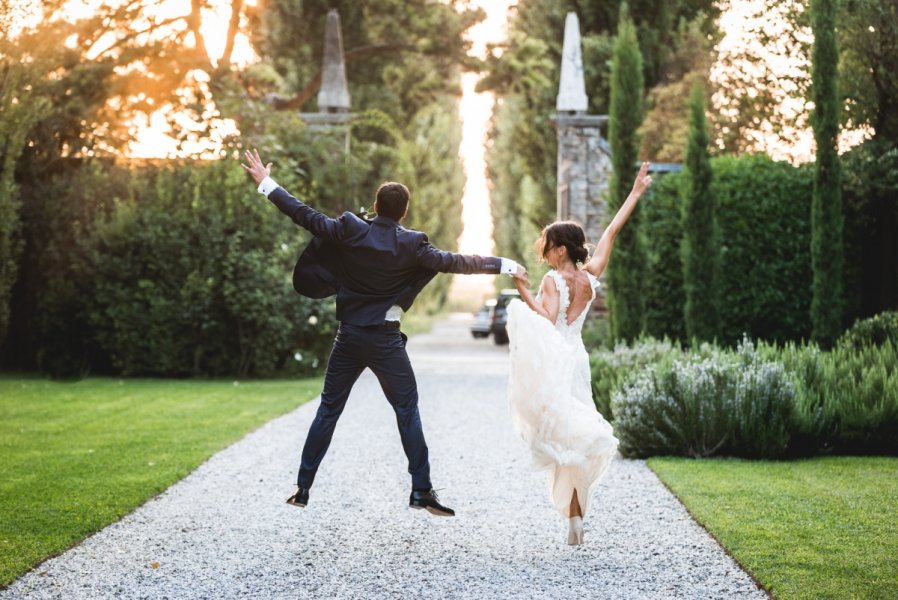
<point x="300" y="498"/>
<point x="427" y="499"/>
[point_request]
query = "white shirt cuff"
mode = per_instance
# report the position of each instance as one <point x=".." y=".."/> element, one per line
<point x="509" y="267"/>
<point x="267" y="186"/>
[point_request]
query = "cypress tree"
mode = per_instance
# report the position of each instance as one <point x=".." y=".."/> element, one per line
<point x="699" y="249"/>
<point x="626" y="264"/>
<point x="826" y="205"/>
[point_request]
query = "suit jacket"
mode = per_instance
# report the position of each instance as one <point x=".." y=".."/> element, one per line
<point x="369" y="265"/>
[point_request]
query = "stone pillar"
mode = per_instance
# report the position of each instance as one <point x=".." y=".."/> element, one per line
<point x="584" y="170"/>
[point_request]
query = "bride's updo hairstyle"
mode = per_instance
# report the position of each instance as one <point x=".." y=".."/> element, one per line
<point x="563" y="233"/>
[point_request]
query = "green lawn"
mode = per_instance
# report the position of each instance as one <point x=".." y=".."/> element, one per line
<point x="78" y="456"/>
<point x="817" y="528"/>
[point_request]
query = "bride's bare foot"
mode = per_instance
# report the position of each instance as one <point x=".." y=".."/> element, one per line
<point x="575" y="531"/>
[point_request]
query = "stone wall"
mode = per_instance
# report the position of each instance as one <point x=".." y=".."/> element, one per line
<point x="584" y="171"/>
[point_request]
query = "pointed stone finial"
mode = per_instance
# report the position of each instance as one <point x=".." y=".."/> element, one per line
<point x="334" y="93"/>
<point x="572" y="89"/>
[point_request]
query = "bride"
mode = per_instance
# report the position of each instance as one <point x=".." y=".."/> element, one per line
<point x="549" y="388"/>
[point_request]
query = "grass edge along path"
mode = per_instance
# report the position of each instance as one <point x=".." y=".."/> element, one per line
<point x="79" y="456"/>
<point x="816" y="528"/>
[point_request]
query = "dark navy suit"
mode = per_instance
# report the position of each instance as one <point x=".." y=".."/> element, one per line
<point x="370" y="266"/>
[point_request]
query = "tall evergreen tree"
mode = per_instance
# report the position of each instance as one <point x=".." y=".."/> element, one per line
<point x="624" y="296"/>
<point x="826" y="206"/>
<point x="699" y="249"/>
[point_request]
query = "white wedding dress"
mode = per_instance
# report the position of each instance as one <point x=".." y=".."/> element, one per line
<point x="550" y="398"/>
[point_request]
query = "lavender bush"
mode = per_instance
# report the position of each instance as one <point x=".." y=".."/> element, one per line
<point x="724" y="403"/>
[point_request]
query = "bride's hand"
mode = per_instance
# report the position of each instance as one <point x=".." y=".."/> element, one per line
<point x="643" y="180"/>
<point x="520" y="277"/>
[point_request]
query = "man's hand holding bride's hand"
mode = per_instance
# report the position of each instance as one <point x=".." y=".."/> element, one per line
<point x="521" y="276"/>
<point x="643" y="181"/>
<point x="256" y="169"/>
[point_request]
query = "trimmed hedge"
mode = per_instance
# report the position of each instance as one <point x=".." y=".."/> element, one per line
<point x="870" y="197"/>
<point x="662" y="232"/>
<point x="763" y="287"/>
<point x="764" y="284"/>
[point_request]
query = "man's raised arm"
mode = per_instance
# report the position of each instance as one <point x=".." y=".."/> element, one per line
<point x="305" y="216"/>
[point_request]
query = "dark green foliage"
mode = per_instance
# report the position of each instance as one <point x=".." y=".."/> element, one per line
<point x="627" y="263"/>
<point x="846" y="399"/>
<point x="50" y="329"/>
<point x="765" y="268"/>
<point x="875" y="331"/>
<point x="20" y="107"/>
<point x="870" y="208"/>
<point x="868" y="62"/>
<point x="193" y="277"/>
<point x="163" y="271"/>
<point x="826" y="209"/>
<point x="10" y="240"/>
<point x="700" y="259"/>
<point x="662" y="232"/>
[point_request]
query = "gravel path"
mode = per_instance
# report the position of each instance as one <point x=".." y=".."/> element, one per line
<point x="225" y="531"/>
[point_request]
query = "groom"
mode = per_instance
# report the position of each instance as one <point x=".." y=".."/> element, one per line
<point x="376" y="268"/>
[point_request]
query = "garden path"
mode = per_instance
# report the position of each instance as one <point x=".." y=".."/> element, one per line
<point x="225" y="531"/>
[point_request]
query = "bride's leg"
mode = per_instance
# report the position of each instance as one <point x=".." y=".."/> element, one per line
<point x="575" y="524"/>
<point x="575" y="511"/>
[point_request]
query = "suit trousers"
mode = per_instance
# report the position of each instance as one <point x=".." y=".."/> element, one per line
<point x="380" y="348"/>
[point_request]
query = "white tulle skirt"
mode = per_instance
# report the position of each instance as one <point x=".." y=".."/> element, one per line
<point x="550" y="398"/>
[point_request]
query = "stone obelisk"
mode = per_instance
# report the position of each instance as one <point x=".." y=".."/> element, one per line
<point x="333" y="97"/>
<point x="584" y="157"/>
<point x="333" y="113"/>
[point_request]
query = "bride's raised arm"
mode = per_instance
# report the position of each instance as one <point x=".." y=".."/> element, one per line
<point x="599" y="260"/>
<point x="551" y="301"/>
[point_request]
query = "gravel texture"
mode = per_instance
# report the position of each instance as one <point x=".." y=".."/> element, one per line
<point x="225" y="531"/>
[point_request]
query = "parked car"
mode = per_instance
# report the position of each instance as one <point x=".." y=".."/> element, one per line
<point x="483" y="320"/>
<point x="500" y="315"/>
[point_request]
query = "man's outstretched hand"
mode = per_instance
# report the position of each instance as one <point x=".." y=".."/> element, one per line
<point x="256" y="168"/>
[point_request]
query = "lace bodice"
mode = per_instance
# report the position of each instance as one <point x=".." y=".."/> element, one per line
<point x="570" y="331"/>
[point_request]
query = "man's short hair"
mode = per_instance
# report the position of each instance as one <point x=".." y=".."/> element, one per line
<point x="392" y="200"/>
